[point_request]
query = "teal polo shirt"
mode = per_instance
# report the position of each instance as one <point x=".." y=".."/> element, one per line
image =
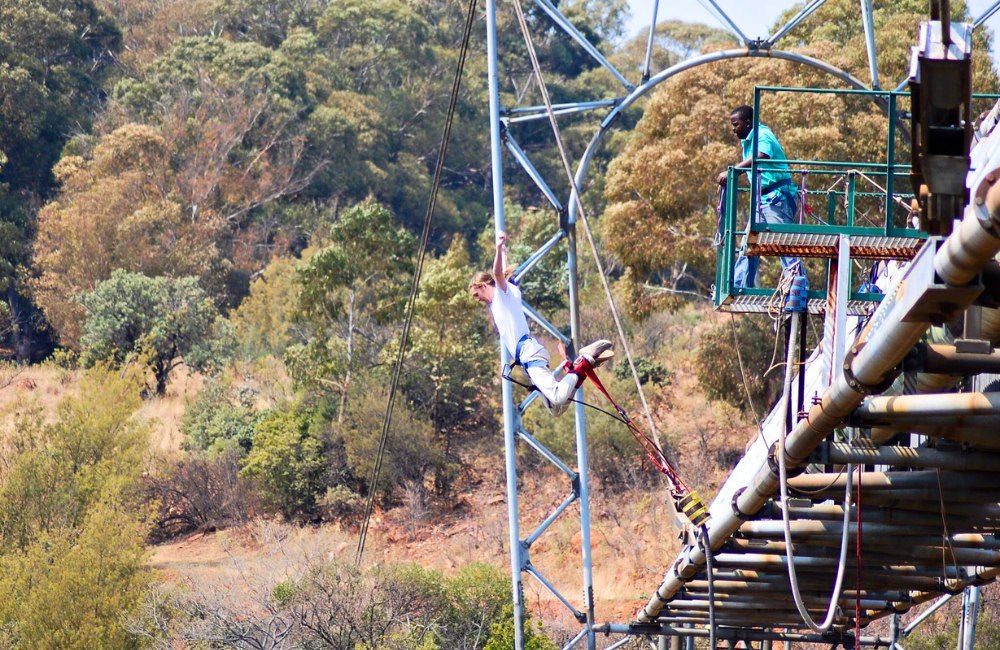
<point x="768" y="145"/>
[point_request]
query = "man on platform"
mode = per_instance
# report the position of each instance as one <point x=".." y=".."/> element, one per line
<point x="777" y="202"/>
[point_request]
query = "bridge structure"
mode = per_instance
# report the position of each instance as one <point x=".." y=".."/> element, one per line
<point x="870" y="489"/>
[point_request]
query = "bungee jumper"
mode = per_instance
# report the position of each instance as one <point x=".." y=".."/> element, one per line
<point x="504" y="299"/>
<point x="495" y="289"/>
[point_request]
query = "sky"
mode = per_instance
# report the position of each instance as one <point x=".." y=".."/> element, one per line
<point x="753" y="17"/>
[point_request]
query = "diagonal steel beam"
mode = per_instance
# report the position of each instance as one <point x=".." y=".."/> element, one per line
<point x="652" y="37"/>
<point x="522" y="159"/>
<point x="535" y="257"/>
<point x="575" y="34"/>
<point x="807" y="11"/>
<point x="986" y="15"/>
<point x="721" y="15"/>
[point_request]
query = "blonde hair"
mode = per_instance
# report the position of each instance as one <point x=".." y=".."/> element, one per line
<point x="485" y="278"/>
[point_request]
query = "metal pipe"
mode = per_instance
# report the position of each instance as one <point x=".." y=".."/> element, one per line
<point x="983" y="17"/>
<point x="970" y="619"/>
<point x="531" y="570"/>
<point x="531" y="117"/>
<point x="649" y="42"/>
<point x="822" y="578"/>
<point x="575" y="34"/>
<point x="925" y="614"/>
<point x="602" y="103"/>
<point x="917" y="554"/>
<point x="533" y="314"/>
<point x="920" y="406"/>
<point x="840" y="453"/>
<point x="727" y="21"/>
<point x="542" y="527"/>
<point x="581" y="440"/>
<point x="741" y="635"/>
<point x="507" y="397"/>
<point x="895" y="480"/>
<point x="545" y="452"/>
<point x="985" y="438"/>
<point x="830" y="512"/>
<point x="932" y="495"/>
<point x="770" y="529"/>
<point x="576" y="639"/>
<point x="989" y="421"/>
<point x="867" y="19"/>
<point x="947" y="360"/>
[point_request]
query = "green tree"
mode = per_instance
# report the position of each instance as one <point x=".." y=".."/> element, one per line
<point x="453" y="351"/>
<point x="719" y="371"/>
<point x="502" y="633"/>
<point x="264" y="324"/>
<point x="170" y="319"/>
<point x="344" y="291"/>
<point x="286" y="460"/>
<point x="54" y="55"/>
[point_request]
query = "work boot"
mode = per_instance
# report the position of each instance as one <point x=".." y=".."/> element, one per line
<point x="597" y="352"/>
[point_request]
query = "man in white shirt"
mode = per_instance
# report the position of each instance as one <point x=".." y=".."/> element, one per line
<point x="504" y="299"/>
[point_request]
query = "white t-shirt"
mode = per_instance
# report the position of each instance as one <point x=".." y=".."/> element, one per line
<point x="512" y="325"/>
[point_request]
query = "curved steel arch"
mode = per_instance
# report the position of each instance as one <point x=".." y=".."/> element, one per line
<point x="683" y="66"/>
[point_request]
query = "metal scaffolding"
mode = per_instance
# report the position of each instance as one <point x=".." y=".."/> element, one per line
<point x="942" y="280"/>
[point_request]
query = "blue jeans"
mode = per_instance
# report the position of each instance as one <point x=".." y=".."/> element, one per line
<point x="780" y="211"/>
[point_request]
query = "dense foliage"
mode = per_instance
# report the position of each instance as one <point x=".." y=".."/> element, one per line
<point x="237" y="186"/>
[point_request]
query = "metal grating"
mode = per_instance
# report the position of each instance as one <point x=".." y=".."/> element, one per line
<point x="759" y="305"/>
<point x="825" y="245"/>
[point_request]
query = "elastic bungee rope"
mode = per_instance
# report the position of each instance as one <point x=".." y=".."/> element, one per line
<point x="831" y="612"/>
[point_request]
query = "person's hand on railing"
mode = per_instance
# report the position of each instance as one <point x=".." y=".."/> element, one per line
<point x="723" y="177"/>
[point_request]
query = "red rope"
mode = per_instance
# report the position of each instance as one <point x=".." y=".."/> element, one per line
<point x="654" y="453"/>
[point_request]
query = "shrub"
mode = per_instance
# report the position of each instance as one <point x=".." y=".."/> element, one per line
<point x="650" y="372"/>
<point x="286" y="461"/>
<point x="201" y="492"/>
<point x="718" y="366"/>
<point x="411" y="452"/>
<point x="502" y="633"/>
<point x="73" y="519"/>
<point x="218" y="415"/>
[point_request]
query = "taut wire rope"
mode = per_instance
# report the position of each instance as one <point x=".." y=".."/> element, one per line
<point x="415" y="286"/>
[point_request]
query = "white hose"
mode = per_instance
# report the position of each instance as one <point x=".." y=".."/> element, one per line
<point x="783" y="475"/>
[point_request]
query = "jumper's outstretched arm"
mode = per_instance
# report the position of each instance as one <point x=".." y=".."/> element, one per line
<point x="500" y="262"/>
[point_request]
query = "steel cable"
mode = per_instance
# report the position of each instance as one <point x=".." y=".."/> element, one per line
<point x="415" y="286"/>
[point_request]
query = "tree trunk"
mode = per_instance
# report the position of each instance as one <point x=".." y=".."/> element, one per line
<point x="350" y="358"/>
<point x="20" y="342"/>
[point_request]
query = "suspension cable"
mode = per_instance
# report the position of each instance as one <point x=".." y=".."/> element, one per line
<point x="415" y="286"/>
<point x="575" y="190"/>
